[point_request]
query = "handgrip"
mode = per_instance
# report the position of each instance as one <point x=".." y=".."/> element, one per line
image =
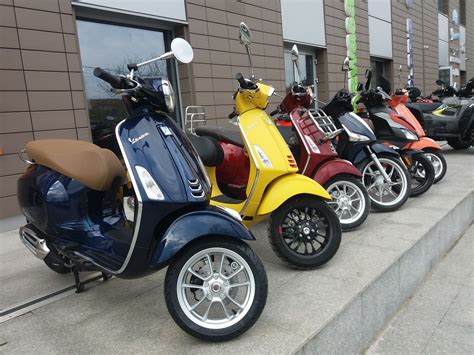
<point x="273" y="113"/>
<point x="240" y="78"/>
<point x="113" y="80"/>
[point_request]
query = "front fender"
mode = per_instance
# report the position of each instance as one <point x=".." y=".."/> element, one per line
<point x="197" y="224"/>
<point x="334" y="167"/>
<point x="423" y="144"/>
<point x="287" y="186"/>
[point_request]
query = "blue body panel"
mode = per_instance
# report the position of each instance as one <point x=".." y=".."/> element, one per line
<point x="194" y="225"/>
<point x="377" y="148"/>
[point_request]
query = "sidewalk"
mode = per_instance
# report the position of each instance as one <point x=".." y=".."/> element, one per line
<point x="336" y="309"/>
<point x="439" y="318"/>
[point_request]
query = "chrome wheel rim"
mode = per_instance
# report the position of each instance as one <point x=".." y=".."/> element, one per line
<point x="216" y="288"/>
<point x="436" y="162"/>
<point x="348" y="201"/>
<point x="385" y="193"/>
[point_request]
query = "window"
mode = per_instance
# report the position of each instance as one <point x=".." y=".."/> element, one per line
<point x="443" y="6"/>
<point x="112" y="47"/>
<point x="307" y="68"/>
<point x="379" y="67"/>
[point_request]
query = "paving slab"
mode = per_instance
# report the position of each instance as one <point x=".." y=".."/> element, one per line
<point x="439" y="317"/>
<point x="338" y="308"/>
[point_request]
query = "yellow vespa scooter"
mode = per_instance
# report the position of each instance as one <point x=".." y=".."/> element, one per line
<point x="303" y="230"/>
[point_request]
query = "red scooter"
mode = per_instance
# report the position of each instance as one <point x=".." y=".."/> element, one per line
<point x="309" y="137"/>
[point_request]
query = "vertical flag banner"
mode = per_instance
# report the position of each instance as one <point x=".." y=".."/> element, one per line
<point x="349" y="7"/>
<point x="411" y="70"/>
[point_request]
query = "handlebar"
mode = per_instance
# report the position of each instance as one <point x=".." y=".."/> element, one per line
<point x="273" y="113"/>
<point x="114" y="80"/>
<point x="245" y="83"/>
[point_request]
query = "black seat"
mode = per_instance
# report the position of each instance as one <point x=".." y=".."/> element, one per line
<point x="425" y="107"/>
<point x="228" y="135"/>
<point x="208" y="148"/>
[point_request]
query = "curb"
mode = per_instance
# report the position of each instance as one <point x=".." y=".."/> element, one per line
<point x="366" y="314"/>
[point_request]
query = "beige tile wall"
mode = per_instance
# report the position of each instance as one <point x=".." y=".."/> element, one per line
<point x="213" y="32"/>
<point x="41" y="91"/>
<point x="470" y="39"/>
<point x="424" y="15"/>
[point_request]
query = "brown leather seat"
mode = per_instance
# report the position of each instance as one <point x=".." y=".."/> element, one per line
<point x="85" y="162"/>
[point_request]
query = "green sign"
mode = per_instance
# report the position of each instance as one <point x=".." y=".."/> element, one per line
<point x="349" y="8"/>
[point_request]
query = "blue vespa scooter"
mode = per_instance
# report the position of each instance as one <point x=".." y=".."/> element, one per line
<point x="73" y="192"/>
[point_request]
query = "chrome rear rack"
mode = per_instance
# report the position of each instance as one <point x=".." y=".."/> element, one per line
<point x="324" y="122"/>
<point x="194" y="116"/>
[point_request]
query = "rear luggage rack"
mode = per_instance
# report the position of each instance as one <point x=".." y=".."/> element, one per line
<point x="324" y="122"/>
<point x="194" y="116"/>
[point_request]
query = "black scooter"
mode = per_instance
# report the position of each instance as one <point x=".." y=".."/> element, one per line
<point x="72" y="195"/>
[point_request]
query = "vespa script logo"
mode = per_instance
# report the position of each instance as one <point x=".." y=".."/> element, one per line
<point x="135" y="140"/>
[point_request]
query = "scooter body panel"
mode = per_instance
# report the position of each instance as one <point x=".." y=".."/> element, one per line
<point x="422" y="144"/>
<point x="286" y="187"/>
<point x="334" y="167"/>
<point x="192" y="226"/>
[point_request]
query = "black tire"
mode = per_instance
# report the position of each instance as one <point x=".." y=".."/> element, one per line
<point x="56" y="262"/>
<point x="259" y="300"/>
<point x="364" y="205"/>
<point x="331" y="238"/>
<point x="437" y="155"/>
<point x="421" y="171"/>
<point x="456" y="143"/>
<point x="387" y="159"/>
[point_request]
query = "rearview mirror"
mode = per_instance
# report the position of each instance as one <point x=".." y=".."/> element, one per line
<point x="439" y="82"/>
<point x="245" y="36"/>
<point x="294" y="53"/>
<point x="182" y="50"/>
<point x="345" y="65"/>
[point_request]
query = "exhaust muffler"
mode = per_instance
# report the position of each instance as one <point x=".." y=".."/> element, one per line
<point x="33" y="243"/>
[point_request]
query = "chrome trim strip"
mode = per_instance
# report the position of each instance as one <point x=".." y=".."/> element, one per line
<point x="304" y="143"/>
<point x="140" y="207"/>
<point x="257" y="168"/>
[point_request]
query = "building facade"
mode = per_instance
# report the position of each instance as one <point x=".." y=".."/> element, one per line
<point x="48" y="49"/>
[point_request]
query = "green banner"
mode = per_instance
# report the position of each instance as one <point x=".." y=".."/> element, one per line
<point x="349" y="8"/>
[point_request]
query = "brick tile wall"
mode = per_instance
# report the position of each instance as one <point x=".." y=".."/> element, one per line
<point x="470" y="39"/>
<point x="213" y="32"/>
<point x="425" y="33"/>
<point x="41" y="94"/>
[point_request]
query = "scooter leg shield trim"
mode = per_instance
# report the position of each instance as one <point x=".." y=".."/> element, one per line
<point x="287" y="187"/>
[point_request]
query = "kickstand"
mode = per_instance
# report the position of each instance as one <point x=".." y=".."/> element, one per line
<point x="77" y="280"/>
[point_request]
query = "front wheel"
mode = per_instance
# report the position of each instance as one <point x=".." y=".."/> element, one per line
<point x="422" y="175"/>
<point x="350" y="201"/>
<point x="216" y="289"/>
<point x="386" y="195"/>
<point x="305" y="232"/>
<point x="438" y="161"/>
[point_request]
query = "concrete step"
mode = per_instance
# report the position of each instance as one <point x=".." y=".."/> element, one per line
<point x="339" y="308"/>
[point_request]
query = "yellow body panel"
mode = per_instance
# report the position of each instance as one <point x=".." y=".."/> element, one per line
<point x="286" y="187"/>
<point x="272" y="179"/>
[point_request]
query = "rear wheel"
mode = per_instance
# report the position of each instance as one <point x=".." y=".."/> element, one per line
<point x="421" y="174"/>
<point x="386" y="195"/>
<point x="216" y="289"/>
<point x="439" y="163"/>
<point x="350" y="201"/>
<point x="305" y="232"/>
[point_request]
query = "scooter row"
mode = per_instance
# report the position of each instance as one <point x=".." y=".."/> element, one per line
<point x="175" y="203"/>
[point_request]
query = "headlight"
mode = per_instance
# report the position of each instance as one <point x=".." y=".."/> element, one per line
<point x="410" y="135"/>
<point x="355" y="137"/>
<point x="149" y="185"/>
<point x="168" y="94"/>
<point x="263" y="157"/>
